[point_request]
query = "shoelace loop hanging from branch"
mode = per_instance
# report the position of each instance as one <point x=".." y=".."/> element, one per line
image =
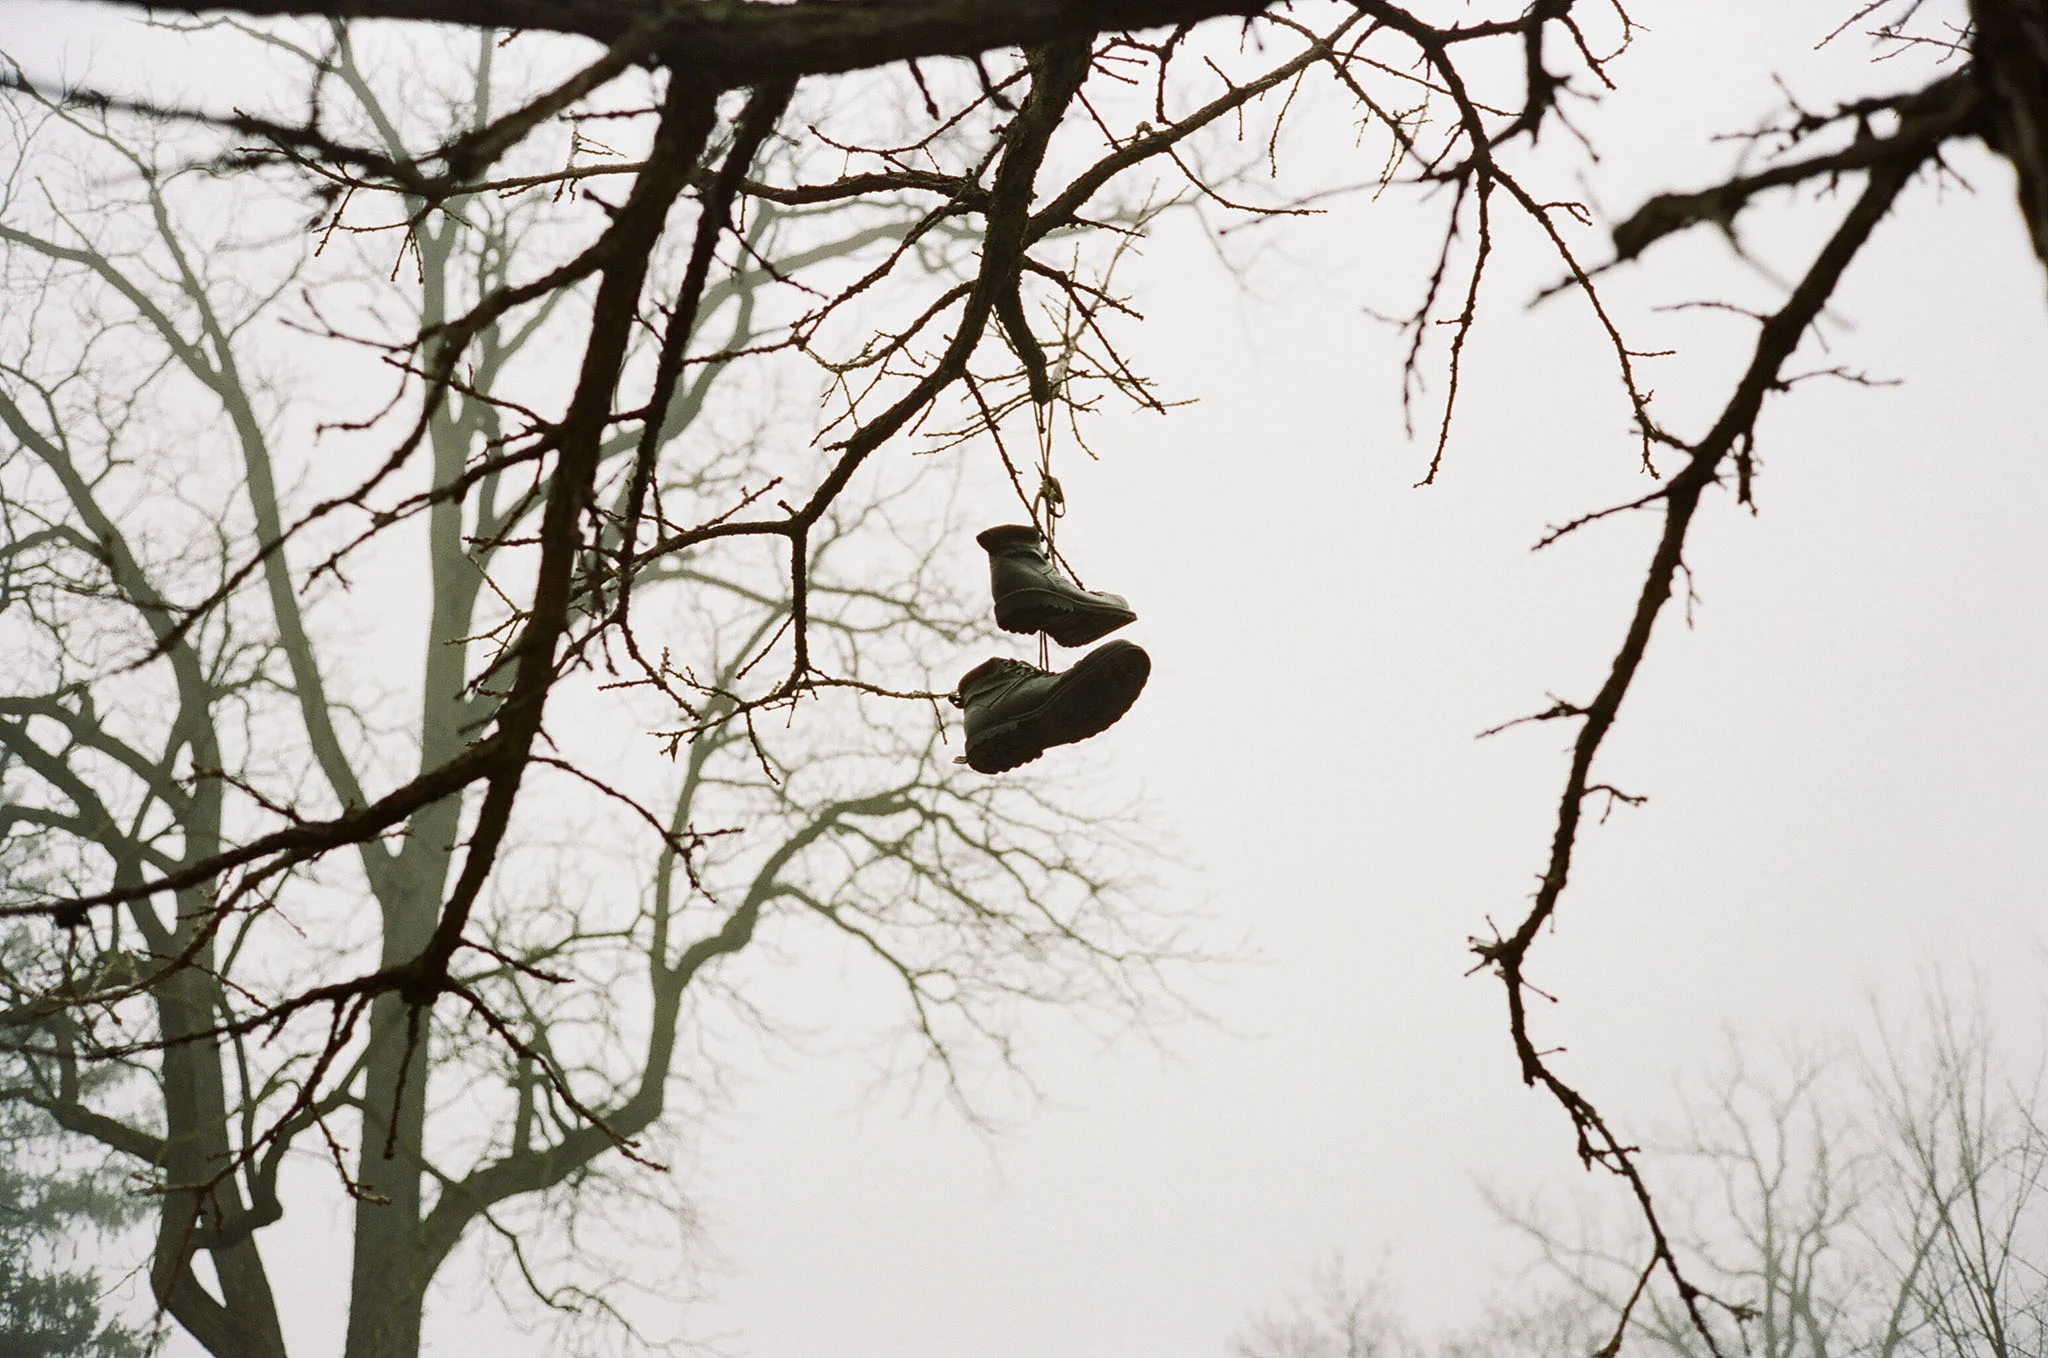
<point x="1048" y="506"/>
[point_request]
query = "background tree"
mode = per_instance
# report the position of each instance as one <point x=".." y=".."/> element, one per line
<point x="585" y="1010"/>
<point x="1027" y="148"/>
<point x="1882" y="1204"/>
<point x="1339" y="1315"/>
<point x="1340" y="1312"/>
<point x="49" y="1306"/>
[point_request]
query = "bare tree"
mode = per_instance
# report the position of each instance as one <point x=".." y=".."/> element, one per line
<point x="1053" y="107"/>
<point x="1337" y="1315"/>
<point x="1783" y="1182"/>
<point x="590" y="969"/>
<point x="1877" y="1205"/>
<point x="1340" y="1312"/>
<point x="1964" y="1158"/>
<point x="1851" y="1205"/>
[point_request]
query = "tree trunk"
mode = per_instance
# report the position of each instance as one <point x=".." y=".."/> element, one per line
<point x="393" y="1265"/>
<point x="388" y="1286"/>
<point x="2011" y="51"/>
<point x="242" y="1322"/>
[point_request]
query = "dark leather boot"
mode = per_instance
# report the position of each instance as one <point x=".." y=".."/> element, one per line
<point x="1032" y="596"/>
<point x="1015" y="712"/>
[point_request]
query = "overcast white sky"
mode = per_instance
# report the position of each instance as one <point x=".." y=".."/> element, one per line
<point x="1843" y="757"/>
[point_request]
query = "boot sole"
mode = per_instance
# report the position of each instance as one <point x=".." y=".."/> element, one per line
<point x="1088" y="700"/>
<point x="1066" y="622"/>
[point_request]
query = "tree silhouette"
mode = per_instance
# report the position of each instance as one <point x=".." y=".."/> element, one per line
<point x="954" y="202"/>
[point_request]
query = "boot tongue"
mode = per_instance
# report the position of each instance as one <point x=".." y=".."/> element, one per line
<point x="995" y="670"/>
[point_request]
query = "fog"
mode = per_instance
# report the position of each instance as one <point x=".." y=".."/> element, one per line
<point x="1840" y="741"/>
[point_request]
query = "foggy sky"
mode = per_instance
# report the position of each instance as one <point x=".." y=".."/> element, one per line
<point x="1843" y="758"/>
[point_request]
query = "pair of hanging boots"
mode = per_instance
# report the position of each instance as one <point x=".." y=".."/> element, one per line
<point x="1015" y="712"/>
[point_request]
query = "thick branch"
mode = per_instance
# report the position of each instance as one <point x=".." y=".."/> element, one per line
<point x="729" y="43"/>
<point x="2011" y="66"/>
<point x="1947" y="108"/>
